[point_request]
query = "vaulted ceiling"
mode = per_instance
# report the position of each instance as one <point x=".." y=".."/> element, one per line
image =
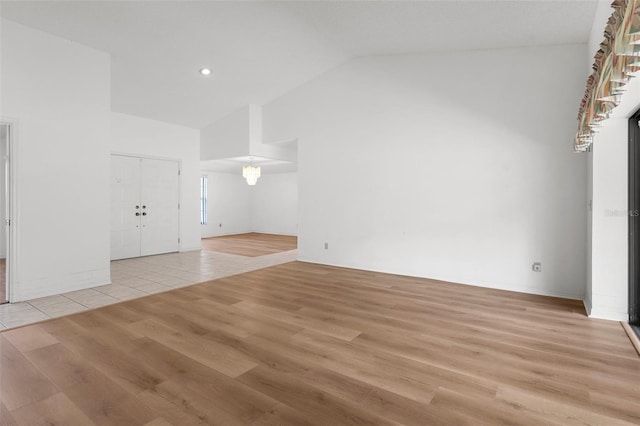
<point x="260" y="50"/>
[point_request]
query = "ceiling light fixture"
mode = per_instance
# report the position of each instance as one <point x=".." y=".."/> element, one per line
<point x="205" y="71"/>
<point x="251" y="174"/>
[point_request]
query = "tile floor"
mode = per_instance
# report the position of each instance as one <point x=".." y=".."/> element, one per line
<point x="132" y="278"/>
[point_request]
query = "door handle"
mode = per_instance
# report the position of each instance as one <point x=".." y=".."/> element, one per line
<point x="144" y="213"/>
<point x="137" y="213"/>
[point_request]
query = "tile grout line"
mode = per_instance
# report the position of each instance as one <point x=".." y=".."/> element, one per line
<point x="38" y="309"/>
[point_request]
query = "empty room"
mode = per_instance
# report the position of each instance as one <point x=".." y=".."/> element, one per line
<point x="319" y="212"/>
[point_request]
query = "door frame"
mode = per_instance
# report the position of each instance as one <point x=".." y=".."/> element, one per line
<point x="634" y="218"/>
<point x="13" y="230"/>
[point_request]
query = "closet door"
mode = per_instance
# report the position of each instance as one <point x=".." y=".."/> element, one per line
<point x="125" y="196"/>
<point x="160" y="198"/>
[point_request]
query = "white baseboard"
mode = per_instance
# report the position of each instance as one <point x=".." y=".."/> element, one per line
<point x="192" y="248"/>
<point x="587" y="306"/>
<point x="34" y="289"/>
<point x="608" y="314"/>
<point x="453" y="280"/>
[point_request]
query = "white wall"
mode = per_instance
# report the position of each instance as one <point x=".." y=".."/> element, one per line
<point x="270" y="207"/>
<point x="274" y="201"/>
<point x="228" y="137"/>
<point x="596" y="35"/>
<point x="455" y="166"/>
<point x="239" y="134"/>
<point x="4" y="140"/>
<point x="229" y="205"/>
<point x="155" y="139"/>
<point x="609" y="251"/>
<point x="588" y="301"/>
<point x="609" y="260"/>
<point x="607" y="291"/>
<point x="59" y="93"/>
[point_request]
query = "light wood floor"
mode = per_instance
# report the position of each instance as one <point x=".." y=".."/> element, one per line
<point x="252" y="244"/>
<point x="307" y="344"/>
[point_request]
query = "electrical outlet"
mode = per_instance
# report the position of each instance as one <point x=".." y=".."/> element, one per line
<point x="326" y="246"/>
<point x="537" y="267"/>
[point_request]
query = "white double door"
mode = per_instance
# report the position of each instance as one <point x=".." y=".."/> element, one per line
<point x="145" y="210"/>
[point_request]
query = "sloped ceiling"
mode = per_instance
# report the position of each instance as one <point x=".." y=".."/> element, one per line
<point x="260" y="50"/>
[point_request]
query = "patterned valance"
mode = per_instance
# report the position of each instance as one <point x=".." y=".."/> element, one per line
<point x="615" y="61"/>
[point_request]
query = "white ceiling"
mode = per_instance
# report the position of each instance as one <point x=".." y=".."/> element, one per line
<point x="260" y="50"/>
<point x="364" y="28"/>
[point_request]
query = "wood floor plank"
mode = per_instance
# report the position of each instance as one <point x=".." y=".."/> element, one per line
<point x="226" y="402"/>
<point x="381" y="368"/>
<point x="622" y="406"/>
<point x="302" y="344"/>
<point x="58" y="409"/>
<point x="308" y="399"/>
<point x="62" y="366"/>
<point x="251" y="244"/>
<point x="552" y="410"/>
<point x="232" y="396"/>
<point x="283" y="415"/>
<point x="181" y="413"/>
<point x="320" y="326"/>
<point x="196" y="316"/>
<point x="267" y="300"/>
<point x="199" y="407"/>
<point x="104" y="353"/>
<point x="20" y="382"/>
<point x="278" y="356"/>
<point x="158" y="422"/>
<point x="204" y="351"/>
<point x="477" y="411"/>
<point x="6" y="419"/>
<point x="450" y="316"/>
<point x="29" y="338"/>
<point x="106" y="403"/>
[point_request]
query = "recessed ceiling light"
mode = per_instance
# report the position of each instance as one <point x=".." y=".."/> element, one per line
<point x="205" y="71"/>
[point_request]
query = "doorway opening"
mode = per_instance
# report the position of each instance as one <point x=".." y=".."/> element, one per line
<point x="5" y="145"/>
<point x="634" y="222"/>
